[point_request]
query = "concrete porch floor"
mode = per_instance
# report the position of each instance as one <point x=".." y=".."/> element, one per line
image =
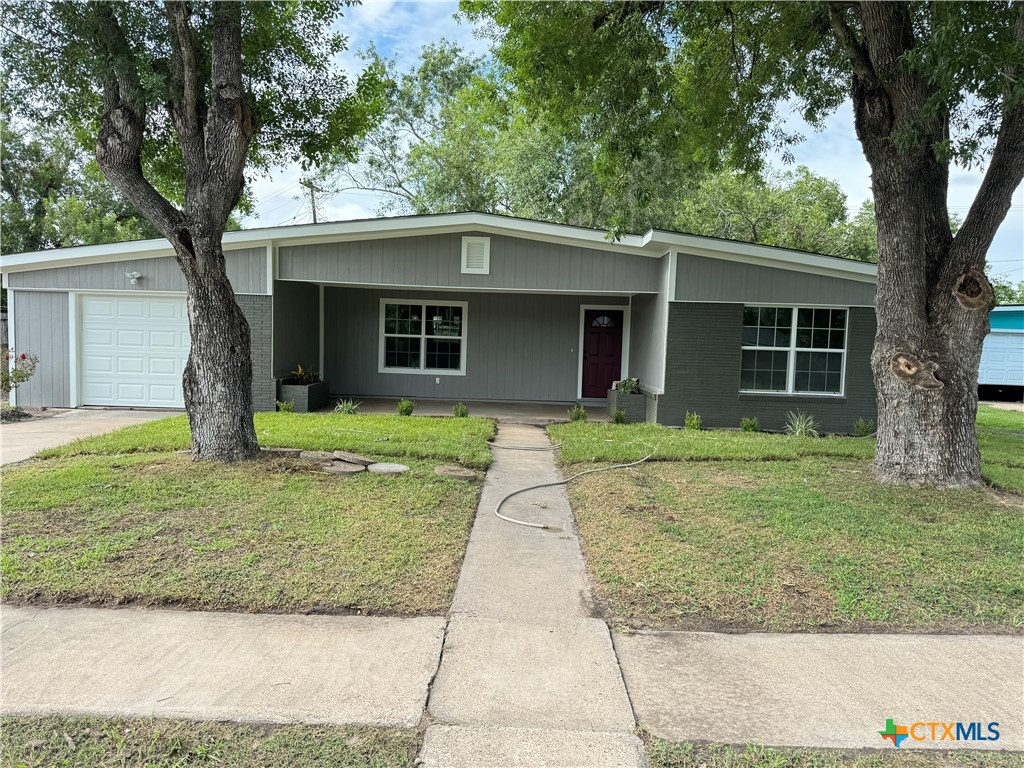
<point x="513" y="413"/>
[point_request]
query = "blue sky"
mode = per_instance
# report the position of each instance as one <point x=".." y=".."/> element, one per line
<point x="401" y="29"/>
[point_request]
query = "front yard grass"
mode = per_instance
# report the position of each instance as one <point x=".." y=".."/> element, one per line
<point x="96" y="742"/>
<point x="377" y="435"/>
<point x="273" y="534"/>
<point x="664" y="754"/>
<point x="767" y="532"/>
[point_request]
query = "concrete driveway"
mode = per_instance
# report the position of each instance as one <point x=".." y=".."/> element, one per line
<point x="21" y="440"/>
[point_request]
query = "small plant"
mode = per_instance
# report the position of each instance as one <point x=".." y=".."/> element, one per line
<point x="406" y="407"/>
<point x="628" y="386"/>
<point x="286" y="406"/>
<point x="10" y="377"/>
<point x="303" y="375"/>
<point x="800" y="424"/>
<point x="750" y="424"/>
<point x="692" y="420"/>
<point x="618" y="416"/>
<point x="577" y="413"/>
<point x="460" y="410"/>
<point x="349" y="407"/>
<point x="864" y="427"/>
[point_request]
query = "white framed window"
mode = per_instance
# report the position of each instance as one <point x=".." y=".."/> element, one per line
<point x="423" y="337"/>
<point x="794" y="350"/>
<point x="476" y="255"/>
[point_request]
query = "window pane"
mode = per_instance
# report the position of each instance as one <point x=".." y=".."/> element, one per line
<point x="766" y="337"/>
<point x="782" y="337"/>
<point x="784" y="318"/>
<point x="763" y="369"/>
<point x="749" y="336"/>
<point x="443" y="321"/>
<point x="835" y="339"/>
<point x="839" y="318"/>
<point x="804" y="318"/>
<point x="767" y="316"/>
<point x="822" y="318"/>
<point x="818" y="371"/>
<point x="750" y="315"/>
<point x="444" y="354"/>
<point x="402" y="318"/>
<point x="401" y="352"/>
<point x="803" y="337"/>
<point x="819" y="338"/>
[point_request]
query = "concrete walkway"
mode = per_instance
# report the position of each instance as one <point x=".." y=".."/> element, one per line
<point x="528" y="677"/>
<point x="219" y="666"/>
<point x="20" y="440"/>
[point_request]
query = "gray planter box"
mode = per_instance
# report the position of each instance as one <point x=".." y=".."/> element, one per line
<point x="307" y="397"/>
<point x="634" y="406"/>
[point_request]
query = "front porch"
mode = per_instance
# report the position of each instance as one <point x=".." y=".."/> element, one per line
<point x="503" y="412"/>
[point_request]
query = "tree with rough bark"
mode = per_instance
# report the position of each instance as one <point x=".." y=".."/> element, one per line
<point x="931" y="84"/>
<point x="181" y="99"/>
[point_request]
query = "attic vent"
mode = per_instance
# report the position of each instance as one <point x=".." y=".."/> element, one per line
<point x="476" y="255"/>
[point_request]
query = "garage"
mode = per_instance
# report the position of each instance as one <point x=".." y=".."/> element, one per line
<point x="132" y="350"/>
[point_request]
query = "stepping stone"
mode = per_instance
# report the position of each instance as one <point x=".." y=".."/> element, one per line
<point x="289" y="452"/>
<point x="388" y="469"/>
<point x="456" y="473"/>
<point x="353" y="458"/>
<point x="316" y="455"/>
<point x="343" y="468"/>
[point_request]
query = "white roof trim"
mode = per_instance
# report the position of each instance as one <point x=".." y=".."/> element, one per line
<point x="654" y="243"/>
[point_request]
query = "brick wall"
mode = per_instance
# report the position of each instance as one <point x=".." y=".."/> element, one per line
<point x="702" y="373"/>
<point x="258" y="311"/>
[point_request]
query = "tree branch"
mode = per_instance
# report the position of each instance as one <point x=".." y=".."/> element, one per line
<point x="186" y="105"/>
<point x="847" y="38"/>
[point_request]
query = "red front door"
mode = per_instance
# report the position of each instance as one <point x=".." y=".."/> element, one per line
<point x="602" y="350"/>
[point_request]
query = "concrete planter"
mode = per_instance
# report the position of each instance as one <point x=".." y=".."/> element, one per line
<point x="307" y="397"/>
<point x="634" y="406"/>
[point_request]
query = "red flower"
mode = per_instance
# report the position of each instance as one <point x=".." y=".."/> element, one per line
<point x="22" y="355"/>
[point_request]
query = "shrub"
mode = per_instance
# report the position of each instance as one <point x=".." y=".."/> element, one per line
<point x="618" y="416"/>
<point x="750" y="424"/>
<point x="460" y="410"/>
<point x="349" y="407"/>
<point x="864" y="427"/>
<point x="303" y="376"/>
<point x="692" y="420"/>
<point x="628" y="386"/>
<point x="287" y="406"/>
<point x="24" y="366"/>
<point x="577" y="413"/>
<point x="406" y="407"/>
<point x="800" y="424"/>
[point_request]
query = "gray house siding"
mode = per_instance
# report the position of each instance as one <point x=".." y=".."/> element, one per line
<point x="436" y="261"/>
<point x="297" y="326"/>
<point x="699" y="278"/>
<point x="703" y="373"/>
<point x="41" y="327"/>
<point x="517" y="346"/>
<point x="258" y="310"/>
<point x="247" y="270"/>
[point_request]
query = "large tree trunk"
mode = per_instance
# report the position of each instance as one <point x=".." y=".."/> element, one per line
<point x="218" y="376"/>
<point x="932" y="299"/>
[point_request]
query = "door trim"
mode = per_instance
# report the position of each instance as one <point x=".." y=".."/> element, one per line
<point x="625" y="309"/>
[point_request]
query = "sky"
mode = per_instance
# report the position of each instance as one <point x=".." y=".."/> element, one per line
<point x="401" y="29"/>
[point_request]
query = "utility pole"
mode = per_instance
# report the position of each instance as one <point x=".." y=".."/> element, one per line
<point x="313" y="189"/>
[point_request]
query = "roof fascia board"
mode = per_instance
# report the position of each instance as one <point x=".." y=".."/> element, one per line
<point x="103" y="254"/>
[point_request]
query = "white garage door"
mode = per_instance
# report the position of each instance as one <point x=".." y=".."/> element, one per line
<point x="1002" y="359"/>
<point x="133" y="350"/>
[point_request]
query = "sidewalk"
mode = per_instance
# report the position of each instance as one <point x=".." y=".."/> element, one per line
<point x="528" y="677"/>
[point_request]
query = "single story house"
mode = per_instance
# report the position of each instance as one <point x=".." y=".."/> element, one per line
<point x="467" y="306"/>
<point x="1002" y="357"/>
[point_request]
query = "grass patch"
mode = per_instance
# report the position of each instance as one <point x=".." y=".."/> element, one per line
<point x="95" y="742"/>
<point x="664" y="754"/>
<point x="377" y="435"/>
<point x="266" y="535"/>
<point x="752" y="531"/>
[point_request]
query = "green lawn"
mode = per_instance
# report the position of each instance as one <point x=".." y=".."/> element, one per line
<point x="462" y="440"/>
<point x="664" y="754"/>
<point x="121" y="519"/>
<point x="793" y="538"/>
<point x="95" y="742"/>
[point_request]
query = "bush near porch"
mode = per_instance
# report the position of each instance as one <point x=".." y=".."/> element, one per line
<point x="733" y="530"/>
<point x="124" y="519"/>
